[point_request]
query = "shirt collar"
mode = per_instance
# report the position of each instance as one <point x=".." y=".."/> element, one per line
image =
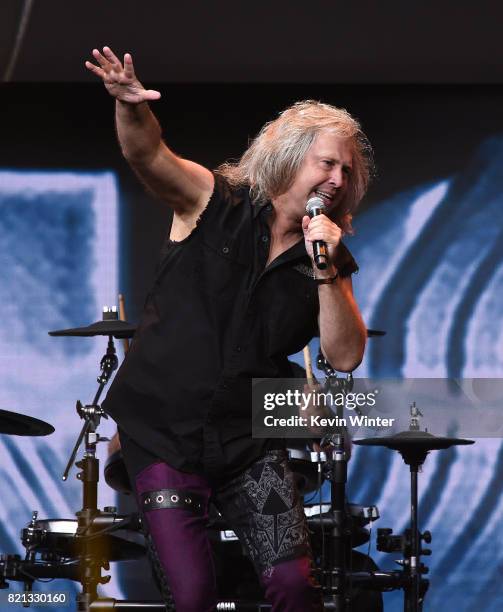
<point x="258" y="207"/>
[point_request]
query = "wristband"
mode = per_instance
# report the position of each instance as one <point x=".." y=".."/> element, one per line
<point x="326" y="281"/>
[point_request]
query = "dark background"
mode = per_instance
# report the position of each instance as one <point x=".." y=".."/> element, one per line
<point x="280" y="41"/>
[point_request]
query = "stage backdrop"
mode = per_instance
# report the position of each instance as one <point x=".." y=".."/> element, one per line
<point x="77" y="228"/>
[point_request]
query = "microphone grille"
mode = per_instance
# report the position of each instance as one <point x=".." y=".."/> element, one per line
<point x="315" y="202"/>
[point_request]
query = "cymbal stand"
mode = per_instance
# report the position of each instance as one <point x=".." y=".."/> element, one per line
<point x="415" y="589"/>
<point x="90" y="560"/>
<point x="336" y="471"/>
<point x="413" y="584"/>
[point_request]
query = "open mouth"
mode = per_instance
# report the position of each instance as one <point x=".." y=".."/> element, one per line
<point x="326" y="197"/>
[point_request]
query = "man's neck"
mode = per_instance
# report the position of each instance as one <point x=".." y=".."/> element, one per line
<point x="284" y="220"/>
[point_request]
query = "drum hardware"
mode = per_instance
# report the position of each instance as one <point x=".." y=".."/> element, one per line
<point x="92" y="413"/>
<point x="358" y="519"/>
<point x="333" y="566"/>
<point x="413" y="445"/>
<point x="333" y="570"/>
<point x="334" y="575"/>
<point x="53" y="549"/>
<point x="55" y="540"/>
<point x="76" y="549"/>
<point x="12" y="567"/>
<point x="123" y="318"/>
<point x="91" y="560"/>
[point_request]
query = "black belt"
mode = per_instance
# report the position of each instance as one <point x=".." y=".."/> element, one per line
<point x="172" y="498"/>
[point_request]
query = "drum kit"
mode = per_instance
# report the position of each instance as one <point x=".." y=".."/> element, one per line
<point x="78" y="549"/>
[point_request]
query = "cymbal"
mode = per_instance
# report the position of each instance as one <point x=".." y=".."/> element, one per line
<point x="15" y="424"/>
<point x="111" y="327"/>
<point x="373" y="333"/>
<point x="413" y="441"/>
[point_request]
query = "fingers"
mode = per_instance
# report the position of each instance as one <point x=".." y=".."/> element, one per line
<point x="99" y="72"/>
<point x="101" y="59"/>
<point x="107" y="61"/>
<point x="321" y="228"/>
<point x="151" y="94"/>
<point x="320" y="221"/>
<point x="128" y="66"/>
<point x="119" y="78"/>
<point x="112" y="58"/>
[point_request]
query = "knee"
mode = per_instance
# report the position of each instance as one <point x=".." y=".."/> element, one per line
<point x="291" y="586"/>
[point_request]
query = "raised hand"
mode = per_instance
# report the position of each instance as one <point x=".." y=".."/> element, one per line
<point x="120" y="80"/>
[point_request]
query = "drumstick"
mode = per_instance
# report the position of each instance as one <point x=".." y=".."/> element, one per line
<point x="115" y="443"/>
<point x="122" y="317"/>
<point x="308" y="365"/>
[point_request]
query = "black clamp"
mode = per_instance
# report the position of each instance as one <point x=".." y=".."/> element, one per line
<point x="172" y="498"/>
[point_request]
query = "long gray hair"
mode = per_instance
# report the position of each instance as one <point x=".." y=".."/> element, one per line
<point x="272" y="160"/>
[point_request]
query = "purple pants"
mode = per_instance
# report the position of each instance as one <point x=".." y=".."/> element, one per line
<point x="184" y="553"/>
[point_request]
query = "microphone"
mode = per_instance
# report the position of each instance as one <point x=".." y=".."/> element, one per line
<point x="315" y="207"/>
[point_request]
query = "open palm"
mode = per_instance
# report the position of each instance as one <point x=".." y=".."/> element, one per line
<point x="120" y="79"/>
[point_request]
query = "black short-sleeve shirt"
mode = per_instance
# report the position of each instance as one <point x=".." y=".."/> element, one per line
<point x="215" y="317"/>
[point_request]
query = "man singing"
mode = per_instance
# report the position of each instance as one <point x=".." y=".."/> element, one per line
<point x="236" y="292"/>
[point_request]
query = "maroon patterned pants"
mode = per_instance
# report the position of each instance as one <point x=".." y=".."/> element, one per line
<point x="264" y="509"/>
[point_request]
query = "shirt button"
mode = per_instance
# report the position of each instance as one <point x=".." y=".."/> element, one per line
<point x="238" y="349"/>
<point x="225" y="386"/>
<point x="225" y="249"/>
<point x="265" y="238"/>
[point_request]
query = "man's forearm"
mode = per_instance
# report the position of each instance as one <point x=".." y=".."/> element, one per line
<point x="138" y="131"/>
<point x="342" y="331"/>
